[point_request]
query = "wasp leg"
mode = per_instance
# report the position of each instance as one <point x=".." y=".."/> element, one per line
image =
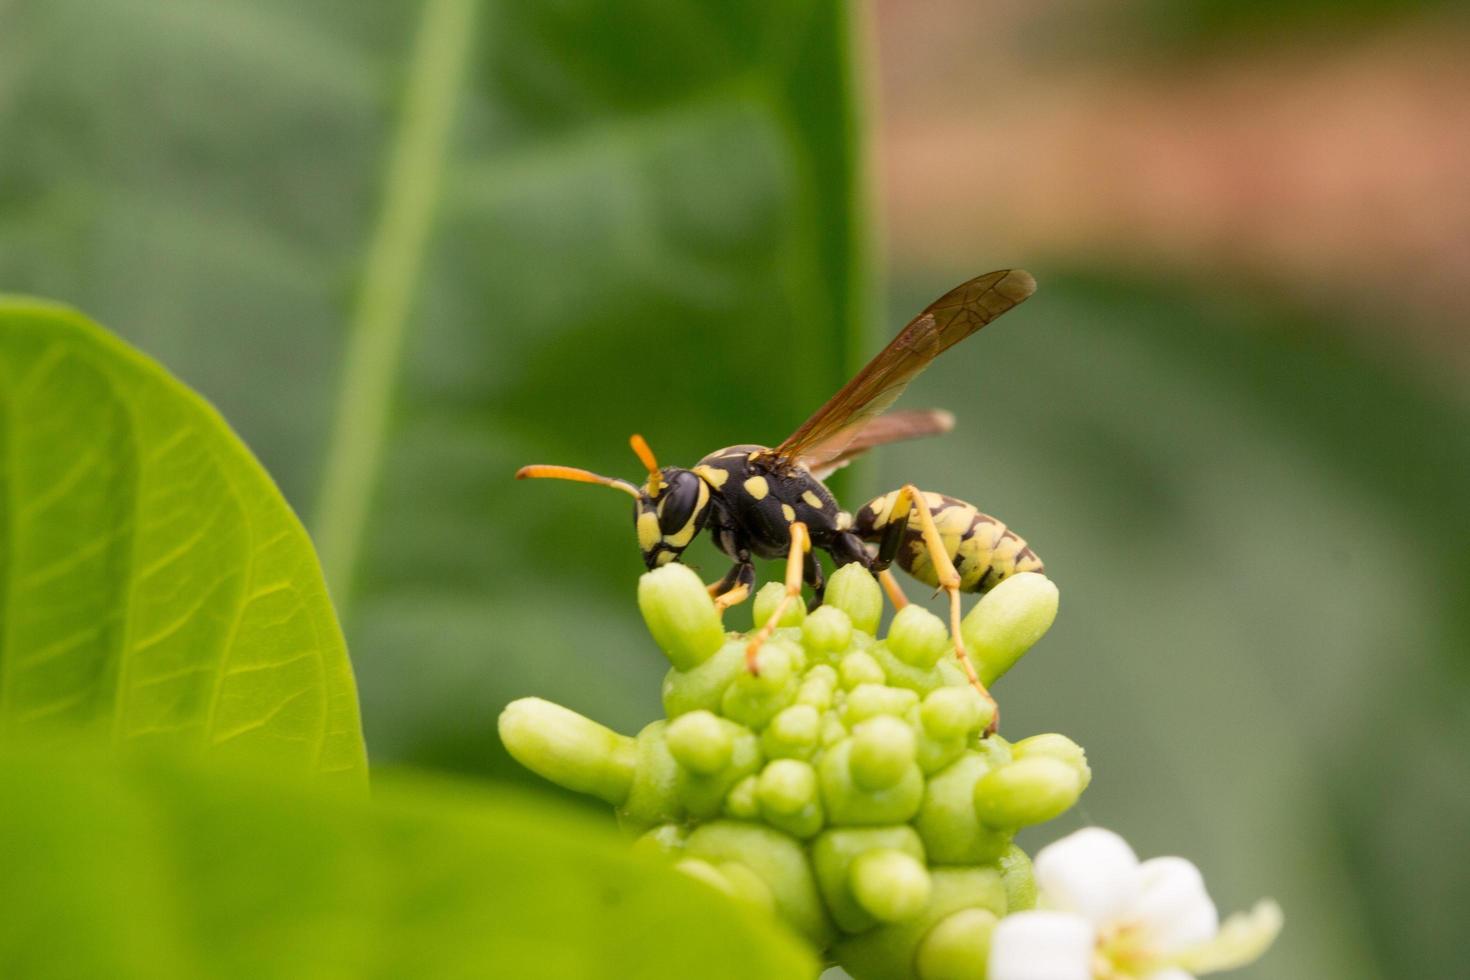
<point x="812" y="573"/>
<point x="736" y="586"/>
<point x="893" y="589"/>
<point x="846" y="548"/>
<point x="734" y="576"/>
<point x="795" y="567"/>
<point x="734" y="597"/>
<point x="911" y="499"/>
<point x="888" y="545"/>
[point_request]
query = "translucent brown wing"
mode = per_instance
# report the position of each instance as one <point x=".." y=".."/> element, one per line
<point x="885" y="429"/>
<point x="945" y="322"/>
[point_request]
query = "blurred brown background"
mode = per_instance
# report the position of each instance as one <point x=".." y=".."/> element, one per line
<point x="1321" y="158"/>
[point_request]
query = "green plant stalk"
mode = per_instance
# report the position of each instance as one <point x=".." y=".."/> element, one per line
<point x="389" y="281"/>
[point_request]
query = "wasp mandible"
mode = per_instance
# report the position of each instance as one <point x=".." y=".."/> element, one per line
<point x="769" y="503"/>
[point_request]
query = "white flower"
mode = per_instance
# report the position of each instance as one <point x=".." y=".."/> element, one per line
<point x="1105" y="916"/>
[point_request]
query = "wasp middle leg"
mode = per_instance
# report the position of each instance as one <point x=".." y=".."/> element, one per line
<point x="735" y="587"/>
<point x="796" y="569"/>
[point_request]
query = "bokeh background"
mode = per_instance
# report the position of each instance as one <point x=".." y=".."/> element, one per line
<point x="407" y="248"/>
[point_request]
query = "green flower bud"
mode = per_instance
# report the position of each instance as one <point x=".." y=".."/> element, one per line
<point x="703" y="793"/>
<point x="859" y="668"/>
<point x="788" y="797"/>
<point x="700" y="742"/>
<point x="917" y="637"/>
<point x="794" y="733"/>
<point x="957" y="948"/>
<point x="666" y="839"/>
<point x="780" y="863"/>
<point x="947" y="823"/>
<point x="920" y="680"/>
<point x="827" y="630"/>
<point x="849" y="804"/>
<point x="882" y="752"/>
<point x="753" y="699"/>
<point x="1058" y="747"/>
<point x="833" y="730"/>
<point x="954" y="712"/>
<point x="871" y="700"/>
<point x="703" y="687"/>
<point x="817" y="687"/>
<point x="653" y="796"/>
<point x="730" y="877"/>
<point x="835" y="853"/>
<point x="746" y="885"/>
<point x="786" y="786"/>
<point x="742" y="802"/>
<point x="1008" y="621"/>
<point x="680" y="614"/>
<point x="890" y="885"/>
<point x="703" y="871"/>
<point x="1020" y="883"/>
<point x="1026" y="792"/>
<point x="855" y="591"/>
<point x="889" y="951"/>
<point x="933" y="754"/>
<point x="568" y="749"/>
<point x="766" y="601"/>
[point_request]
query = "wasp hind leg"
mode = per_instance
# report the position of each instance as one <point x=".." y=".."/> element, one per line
<point x="795" y="568"/>
<point x="735" y="587"/>
<point x="909" y="500"/>
<point x="893" y="589"/>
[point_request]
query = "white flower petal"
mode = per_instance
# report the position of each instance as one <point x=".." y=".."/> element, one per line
<point x="1172" y="908"/>
<point x="1093" y="873"/>
<point x="1042" y="946"/>
<point x="1241" y="940"/>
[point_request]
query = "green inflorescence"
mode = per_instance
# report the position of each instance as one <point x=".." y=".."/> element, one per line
<point x="847" y="786"/>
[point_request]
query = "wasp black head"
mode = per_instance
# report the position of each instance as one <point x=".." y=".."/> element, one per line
<point x="672" y="509"/>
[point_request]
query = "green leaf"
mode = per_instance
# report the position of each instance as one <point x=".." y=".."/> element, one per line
<point x="409" y="248"/>
<point x="157" y="871"/>
<point x="154" y="586"/>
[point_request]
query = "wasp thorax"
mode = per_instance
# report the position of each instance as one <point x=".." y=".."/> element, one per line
<point x="671" y="510"/>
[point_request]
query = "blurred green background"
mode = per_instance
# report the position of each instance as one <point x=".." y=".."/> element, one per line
<point x="408" y="248"/>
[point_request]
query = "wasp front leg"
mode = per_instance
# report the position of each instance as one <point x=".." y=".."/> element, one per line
<point x="909" y="500"/>
<point x="795" y="568"/>
<point x="736" y="586"/>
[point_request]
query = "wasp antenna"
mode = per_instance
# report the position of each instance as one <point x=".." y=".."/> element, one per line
<point x="646" y="457"/>
<point x="576" y="476"/>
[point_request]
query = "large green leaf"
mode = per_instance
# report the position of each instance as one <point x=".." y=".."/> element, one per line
<point x="154" y="586"/>
<point x="409" y="248"/>
<point x="159" y="872"/>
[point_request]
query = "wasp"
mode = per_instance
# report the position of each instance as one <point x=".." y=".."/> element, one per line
<point x="760" y="502"/>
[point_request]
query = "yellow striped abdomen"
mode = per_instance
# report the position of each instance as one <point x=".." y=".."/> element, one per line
<point x="984" y="551"/>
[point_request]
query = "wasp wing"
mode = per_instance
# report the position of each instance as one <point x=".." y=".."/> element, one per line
<point x="892" y="427"/>
<point x="943" y="323"/>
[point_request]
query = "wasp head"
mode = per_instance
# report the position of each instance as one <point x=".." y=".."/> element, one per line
<point x="672" y="507"/>
<point x="671" y="511"/>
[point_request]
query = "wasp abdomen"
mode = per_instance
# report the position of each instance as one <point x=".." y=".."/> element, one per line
<point x="985" y="552"/>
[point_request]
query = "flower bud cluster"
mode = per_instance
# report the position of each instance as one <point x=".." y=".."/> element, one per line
<point x="847" y="785"/>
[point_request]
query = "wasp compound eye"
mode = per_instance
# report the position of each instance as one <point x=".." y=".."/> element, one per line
<point x="676" y="504"/>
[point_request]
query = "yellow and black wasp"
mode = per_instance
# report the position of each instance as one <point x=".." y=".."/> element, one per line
<point x="769" y="503"/>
